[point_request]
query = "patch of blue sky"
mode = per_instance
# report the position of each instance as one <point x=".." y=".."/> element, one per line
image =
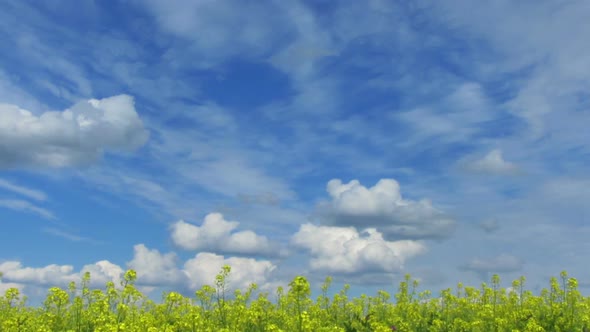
<point x="244" y="86"/>
<point x="252" y="119"/>
<point x="503" y="125"/>
<point x="107" y="231"/>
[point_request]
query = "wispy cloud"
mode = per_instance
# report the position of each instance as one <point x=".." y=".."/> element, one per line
<point x="25" y="206"/>
<point x="24" y="191"/>
<point x="69" y="236"/>
<point x="457" y="117"/>
<point x="12" y="93"/>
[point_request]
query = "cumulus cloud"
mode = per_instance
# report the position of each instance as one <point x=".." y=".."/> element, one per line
<point x="25" y="206"/>
<point x="102" y="272"/>
<point x="342" y="250"/>
<point x="76" y="136"/>
<point x="383" y="208"/>
<point x="498" y="264"/>
<point x="53" y="274"/>
<point x="24" y="191"/>
<point x="4" y="286"/>
<point x="216" y="234"/>
<point x="60" y="275"/>
<point x="154" y="268"/>
<point x="203" y="268"/>
<point x="492" y="163"/>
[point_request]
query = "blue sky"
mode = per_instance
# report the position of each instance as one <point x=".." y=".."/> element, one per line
<point x="357" y="139"/>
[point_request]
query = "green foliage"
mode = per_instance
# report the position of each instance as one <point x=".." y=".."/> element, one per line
<point x="559" y="308"/>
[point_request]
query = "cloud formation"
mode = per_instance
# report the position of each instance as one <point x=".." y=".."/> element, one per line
<point x="457" y="117"/>
<point x="203" y="268"/>
<point x="492" y="163"/>
<point x="49" y="275"/>
<point x="101" y="272"/>
<point x="4" y="286"/>
<point x="26" y="206"/>
<point x="383" y="208"/>
<point x="342" y="250"/>
<point x="544" y="45"/>
<point x="76" y="136"/>
<point x="23" y="191"/>
<point x="218" y="235"/>
<point x="157" y="269"/>
<point x="153" y="269"/>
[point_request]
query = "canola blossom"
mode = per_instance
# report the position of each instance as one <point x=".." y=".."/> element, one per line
<point x="559" y="308"/>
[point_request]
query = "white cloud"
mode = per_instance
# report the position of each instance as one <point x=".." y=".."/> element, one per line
<point x="61" y="275"/>
<point x="203" y="268"/>
<point x="498" y="264"/>
<point x="383" y="208"/>
<point x="154" y="268"/>
<point x="102" y="272"/>
<point x="492" y="163"/>
<point x="33" y="282"/>
<point x="216" y="234"/>
<point x="52" y="274"/>
<point x="343" y="250"/>
<point x="4" y="286"/>
<point x="24" y="191"/>
<point x="73" y="137"/>
<point x="25" y="206"/>
<point x="36" y="280"/>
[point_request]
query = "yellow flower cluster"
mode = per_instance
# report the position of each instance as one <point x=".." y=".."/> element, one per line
<point x="558" y="308"/>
